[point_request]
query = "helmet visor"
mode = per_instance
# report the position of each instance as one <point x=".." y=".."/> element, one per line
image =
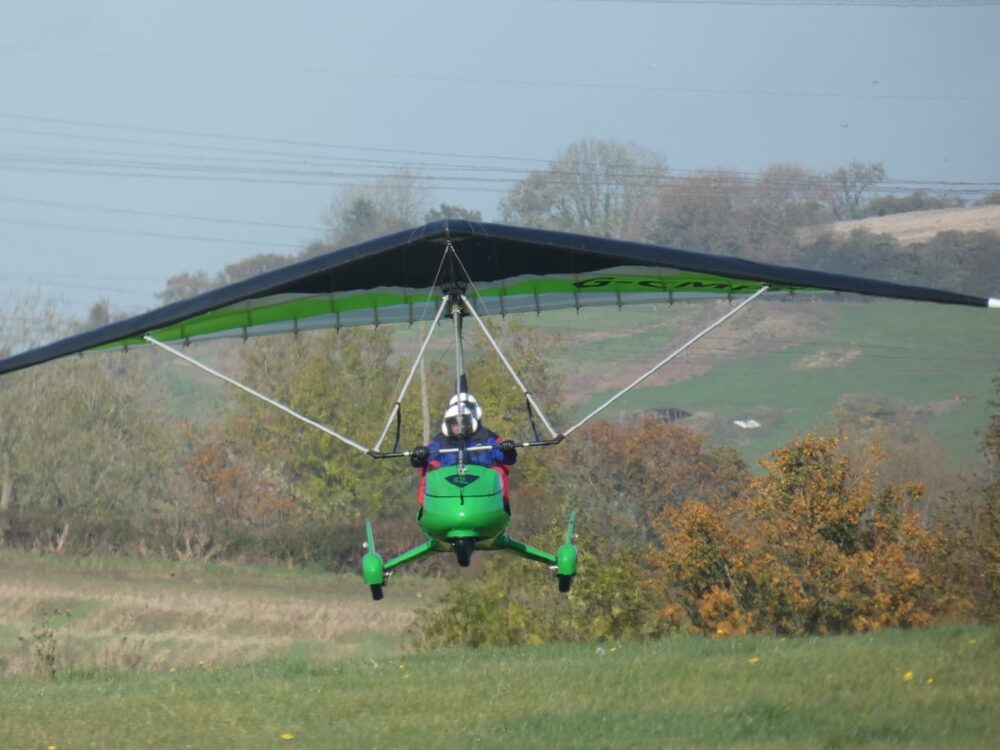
<point x="463" y="424"/>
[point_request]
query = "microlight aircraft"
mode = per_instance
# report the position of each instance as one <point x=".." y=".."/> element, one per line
<point x="455" y="271"/>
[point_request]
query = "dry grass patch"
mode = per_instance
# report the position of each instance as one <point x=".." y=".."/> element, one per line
<point x="920" y="226"/>
<point x="827" y="358"/>
<point x="194" y="615"/>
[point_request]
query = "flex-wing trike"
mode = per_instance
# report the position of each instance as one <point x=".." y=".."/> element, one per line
<point x="396" y="278"/>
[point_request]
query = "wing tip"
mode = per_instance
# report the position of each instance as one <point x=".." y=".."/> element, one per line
<point x="993" y="303"/>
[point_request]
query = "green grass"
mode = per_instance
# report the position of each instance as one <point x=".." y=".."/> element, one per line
<point x="681" y="692"/>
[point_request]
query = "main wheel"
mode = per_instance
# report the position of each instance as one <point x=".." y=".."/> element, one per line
<point x="564" y="583"/>
<point x="377" y="591"/>
<point x="463" y="550"/>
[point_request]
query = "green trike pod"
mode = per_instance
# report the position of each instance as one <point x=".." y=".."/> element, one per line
<point x="566" y="557"/>
<point x="372" y="567"/>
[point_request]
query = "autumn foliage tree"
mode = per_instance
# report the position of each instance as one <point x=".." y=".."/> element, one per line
<point x="811" y="547"/>
<point x="231" y="482"/>
<point x="625" y="474"/>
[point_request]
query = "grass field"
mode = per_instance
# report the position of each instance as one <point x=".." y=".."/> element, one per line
<point x="147" y="614"/>
<point x="925" y="355"/>
<point x="329" y="669"/>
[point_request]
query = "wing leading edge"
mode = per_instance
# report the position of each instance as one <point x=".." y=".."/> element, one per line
<point x="511" y="269"/>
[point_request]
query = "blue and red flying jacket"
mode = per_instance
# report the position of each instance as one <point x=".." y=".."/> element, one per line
<point x="494" y="459"/>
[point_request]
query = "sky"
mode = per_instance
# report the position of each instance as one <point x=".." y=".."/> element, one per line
<point x="142" y="140"/>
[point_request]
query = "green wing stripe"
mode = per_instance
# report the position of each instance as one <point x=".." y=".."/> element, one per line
<point x="291" y="312"/>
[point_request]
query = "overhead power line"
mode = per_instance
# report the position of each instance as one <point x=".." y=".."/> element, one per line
<point x="318" y="168"/>
<point x="256" y="139"/>
<point x="480" y="178"/>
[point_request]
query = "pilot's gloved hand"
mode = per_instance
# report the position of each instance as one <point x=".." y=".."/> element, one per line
<point x="418" y="456"/>
<point x="508" y="446"/>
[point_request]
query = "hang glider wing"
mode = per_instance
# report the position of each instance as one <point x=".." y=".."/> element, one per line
<point x="397" y="278"/>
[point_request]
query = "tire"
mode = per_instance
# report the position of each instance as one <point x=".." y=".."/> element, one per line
<point x="564" y="583"/>
<point x="463" y="551"/>
<point x="377" y="591"/>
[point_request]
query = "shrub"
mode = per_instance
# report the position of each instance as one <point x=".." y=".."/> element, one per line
<point x="808" y="548"/>
<point x="515" y="602"/>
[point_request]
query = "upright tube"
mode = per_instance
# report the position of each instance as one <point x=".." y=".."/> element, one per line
<point x="456" y="314"/>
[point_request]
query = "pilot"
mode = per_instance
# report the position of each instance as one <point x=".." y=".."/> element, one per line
<point x="461" y="427"/>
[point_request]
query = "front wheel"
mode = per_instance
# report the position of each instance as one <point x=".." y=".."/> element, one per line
<point x="463" y="551"/>
<point x="564" y="583"/>
<point x="377" y="591"/>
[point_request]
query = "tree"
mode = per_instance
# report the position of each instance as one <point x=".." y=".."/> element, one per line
<point x="626" y="473"/>
<point x="30" y="321"/>
<point x="99" y="315"/>
<point x="977" y="273"/>
<point x="593" y="187"/>
<point x="84" y="442"/>
<point x="702" y="212"/>
<point x="968" y="528"/>
<point x="884" y="434"/>
<point x="252" y="266"/>
<point x="24" y="324"/>
<point x="860" y="253"/>
<point x="809" y="548"/>
<point x="449" y="211"/>
<point x="728" y="213"/>
<point x="345" y="379"/>
<point x="850" y="183"/>
<point x="918" y="200"/>
<point x="785" y="198"/>
<point x="388" y="204"/>
<point x="185" y="285"/>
